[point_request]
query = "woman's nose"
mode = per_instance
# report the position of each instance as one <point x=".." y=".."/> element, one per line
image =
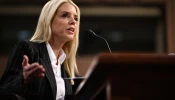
<point x="72" y="21"/>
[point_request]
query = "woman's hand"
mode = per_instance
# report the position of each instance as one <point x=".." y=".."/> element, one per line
<point x="31" y="72"/>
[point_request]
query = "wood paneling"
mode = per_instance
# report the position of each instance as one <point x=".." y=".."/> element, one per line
<point x="170" y="25"/>
<point x="26" y="2"/>
<point x="152" y="1"/>
<point x="82" y="1"/>
<point x="118" y="1"/>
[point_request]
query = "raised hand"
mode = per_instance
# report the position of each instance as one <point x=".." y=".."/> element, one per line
<point x="31" y="72"/>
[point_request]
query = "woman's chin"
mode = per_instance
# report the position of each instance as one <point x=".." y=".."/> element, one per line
<point x="69" y="38"/>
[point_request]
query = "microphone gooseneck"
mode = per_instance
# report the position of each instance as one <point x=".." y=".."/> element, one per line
<point x="101" y="38"/>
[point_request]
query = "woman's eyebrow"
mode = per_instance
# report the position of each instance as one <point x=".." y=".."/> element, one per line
<point x="75" y="15"/>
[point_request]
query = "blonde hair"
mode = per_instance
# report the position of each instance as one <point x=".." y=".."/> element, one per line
<point x="43" y="34"/>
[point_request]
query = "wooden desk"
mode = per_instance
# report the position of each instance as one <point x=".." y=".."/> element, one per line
<point x="129" y="77"/>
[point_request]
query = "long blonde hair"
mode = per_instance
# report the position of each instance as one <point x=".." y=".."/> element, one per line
<point x="43" y="34"/>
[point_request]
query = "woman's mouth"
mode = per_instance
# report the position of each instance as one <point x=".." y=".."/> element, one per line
<point x="71" y="30"/>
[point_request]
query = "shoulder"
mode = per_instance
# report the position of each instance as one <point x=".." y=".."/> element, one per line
<point x="33" y="47"/>
<point x="29" y="48"/>
<point x="25" y="47"/>
<point x="28" y="44"/>
<point x="24" y="43"/>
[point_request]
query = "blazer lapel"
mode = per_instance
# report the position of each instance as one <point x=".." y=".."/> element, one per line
<point x="45" y="61"/>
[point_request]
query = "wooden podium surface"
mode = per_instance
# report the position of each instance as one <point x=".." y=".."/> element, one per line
<point x="129" y="77"/>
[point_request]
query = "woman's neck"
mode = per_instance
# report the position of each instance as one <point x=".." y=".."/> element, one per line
<point x="56" y="47"/>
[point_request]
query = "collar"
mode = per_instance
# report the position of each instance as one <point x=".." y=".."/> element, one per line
<point x="52" y="56"/>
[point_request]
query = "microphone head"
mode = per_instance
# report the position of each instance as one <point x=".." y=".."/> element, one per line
<point x="92" y="32"/>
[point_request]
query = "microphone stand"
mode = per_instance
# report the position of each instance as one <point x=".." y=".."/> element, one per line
<point x="101" y="38"/>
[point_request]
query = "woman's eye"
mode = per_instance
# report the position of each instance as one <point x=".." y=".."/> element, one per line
<point x="76" y="19"/>
<point x="65" y="15"/>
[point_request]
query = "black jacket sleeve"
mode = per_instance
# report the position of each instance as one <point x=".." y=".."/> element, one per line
<point x="12" y="79"/>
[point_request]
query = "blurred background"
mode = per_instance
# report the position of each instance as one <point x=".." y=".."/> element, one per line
<point x="144" y="26"/>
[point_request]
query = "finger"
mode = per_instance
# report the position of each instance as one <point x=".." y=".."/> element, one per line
<point x="35" y="71"/>
<point x="30" y="67"/>
<point x="41" y="75"/>
<point x="39" y="70"/>
<point x="25" y="61"/>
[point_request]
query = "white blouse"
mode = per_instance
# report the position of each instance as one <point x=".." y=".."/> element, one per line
<point x="57" y="71"/>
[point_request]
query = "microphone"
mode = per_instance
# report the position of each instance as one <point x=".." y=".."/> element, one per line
<point x="101" y="38"/>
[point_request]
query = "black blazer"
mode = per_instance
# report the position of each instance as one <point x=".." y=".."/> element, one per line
<point x="43" y="89"/>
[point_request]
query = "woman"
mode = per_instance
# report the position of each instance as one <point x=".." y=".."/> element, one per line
<point x="36" y="69"/>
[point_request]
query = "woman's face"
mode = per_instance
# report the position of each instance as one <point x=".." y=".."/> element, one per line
<point x="64" y="23"/>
